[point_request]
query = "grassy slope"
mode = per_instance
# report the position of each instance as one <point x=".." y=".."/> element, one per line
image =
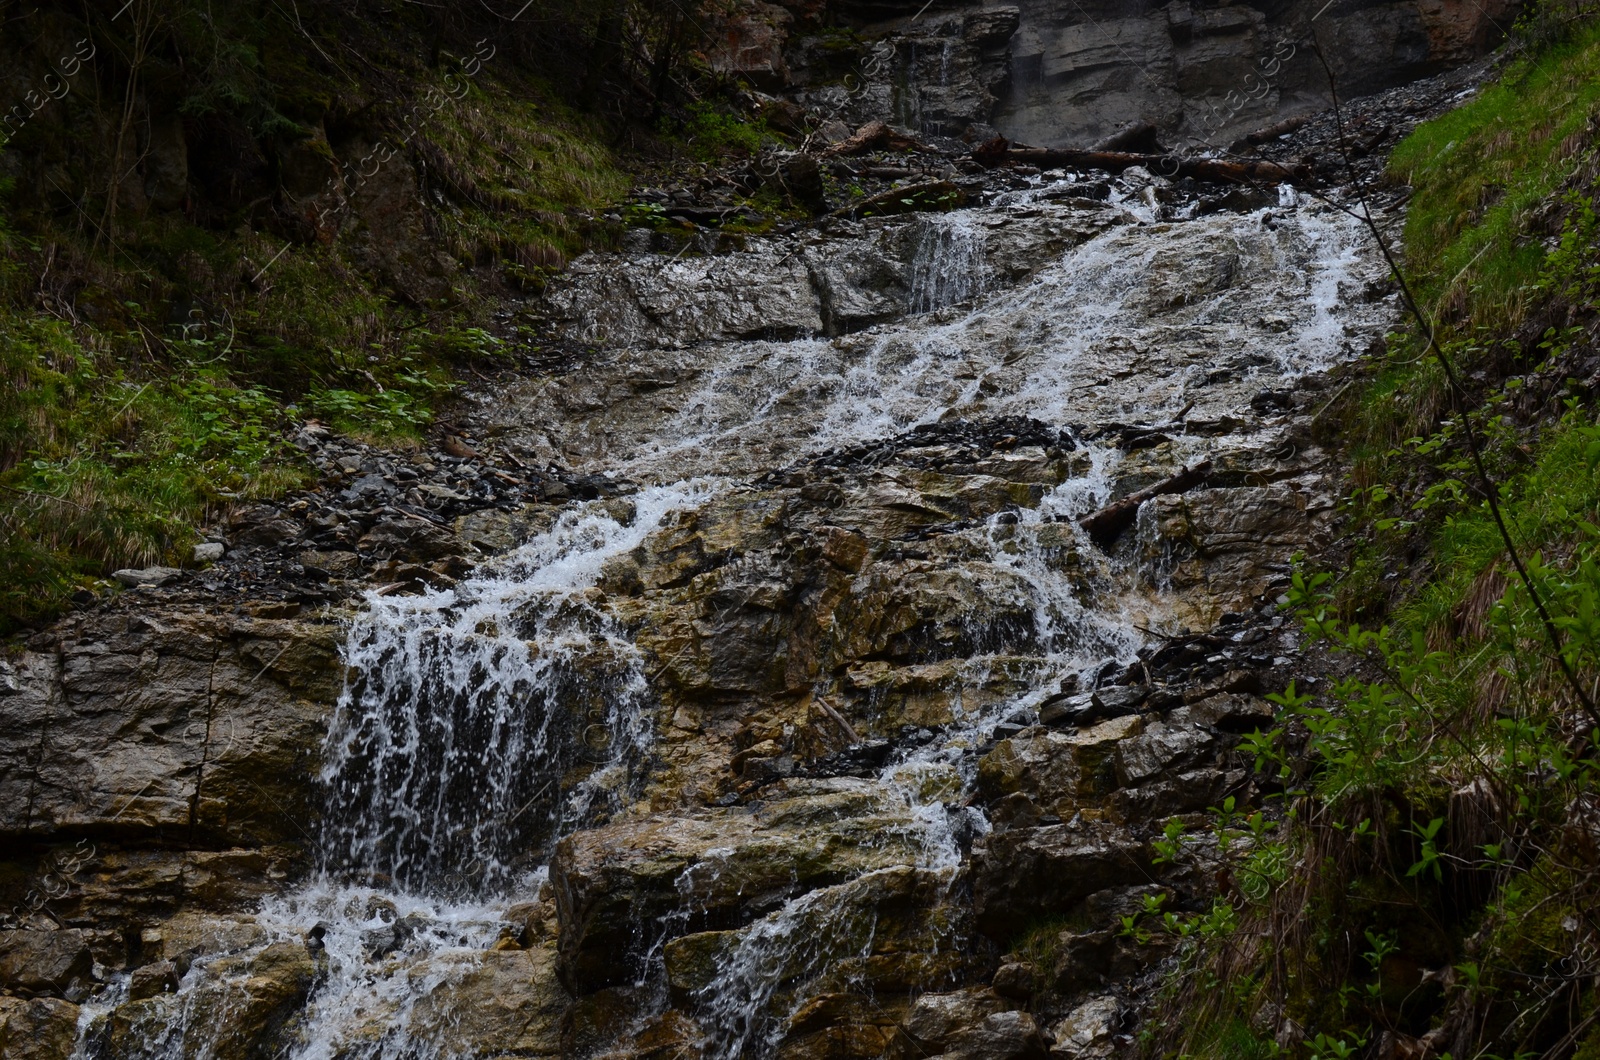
<point x="120" y="429"/>
<point x="1426" y="887"/>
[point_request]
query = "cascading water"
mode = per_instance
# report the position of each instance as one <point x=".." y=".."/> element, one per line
<point x="449" y="771"/>
<point x="745" y="1006"/>
<point x="948" y="268"/>
<point x="482" y="723"/>
<point x="448" y="766"/>
<point x="466" y="709"/>
<point x="1137" y="320"/>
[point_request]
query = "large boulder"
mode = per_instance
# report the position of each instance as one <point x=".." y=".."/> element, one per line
<point x="1185" y="66"/>
<point x="1055" y="772"/>
<point x="622" y="886"/>
<point x="168" y="724"/>
<point x="1027" y="874"/>
<point x="45" y="963"/>
<point x="38" y="1029"/>
<point x="509" y="1003"/>
<point x="936" y="1018"/>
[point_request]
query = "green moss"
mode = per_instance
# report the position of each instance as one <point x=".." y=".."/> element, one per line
<point x="1480" y="169"/>
<point x="102" y="467"/>
<point x="198" y="337"/>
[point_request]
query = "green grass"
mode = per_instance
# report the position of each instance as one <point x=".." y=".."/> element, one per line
<point x="1485" y="177"/>
<point x="1480" y="170"/>
<point x="100" y="468"/>
<point x="1450" y="686"/>
<point x="121" y="432"/>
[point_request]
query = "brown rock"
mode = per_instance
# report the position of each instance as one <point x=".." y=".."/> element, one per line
<point x="49" y="963"/>
<point x="37" y="1029"/>
<point x="153" y="979"/>
<point x="1015" y="981"/>
<point x="1002" y="1036"/>
<point x="1027" y="873"/>
<point x="750" y="45"/>
<point x="510" y="1004"/>
<point x="236" y="1010"/>
<point x="935" y="1018"/>
<point x="166" y="721"/>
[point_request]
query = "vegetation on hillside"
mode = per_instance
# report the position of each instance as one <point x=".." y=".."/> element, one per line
<point x="235" y="217"/>
<point x="1424" y="878"/>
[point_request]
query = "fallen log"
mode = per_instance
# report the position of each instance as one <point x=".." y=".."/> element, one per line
<point x="1224" y="171"/>
<point x="930" y="195"/>
<point x="873" y="136"/>
<point x="1271" y="132"/>
<point x="1136" y="136"/>
<point x="1107" y="524"/>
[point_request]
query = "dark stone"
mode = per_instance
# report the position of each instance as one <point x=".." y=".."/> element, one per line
<point x="801" y="179"/>
<point x="1272" y="401"/>
<point x="153" y="979"/>
<point x="1024" y="874"/>
<point x="1002" y="1036"/>
<point x="47" y="963"/>
<point x="1085" y="708"/>
<point x="409" y="538"/>
<point x="1015" y="981"/>
<point x="268" y="534"/>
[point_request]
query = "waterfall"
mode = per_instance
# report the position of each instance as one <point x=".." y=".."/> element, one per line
<point x="482" y="723"/>
<point x="448" y="773"/>
<point x="465" y="708"/>
<point x="948" y="267"/>
<point x="815" y="934"/>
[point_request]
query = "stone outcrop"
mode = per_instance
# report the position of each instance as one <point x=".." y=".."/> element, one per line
<point x="37" y="1029"/>
<point x="177" y="724"/>
<point x="1060" y="74"/>
<point x="903" y="737"/>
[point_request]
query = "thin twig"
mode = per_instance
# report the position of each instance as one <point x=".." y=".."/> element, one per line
<point x="1458" y="396"/>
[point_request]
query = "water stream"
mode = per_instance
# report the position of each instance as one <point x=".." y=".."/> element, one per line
<point x="482" y="723"/>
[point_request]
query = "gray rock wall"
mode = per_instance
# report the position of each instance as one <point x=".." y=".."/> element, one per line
<point x="1066" y="73"/>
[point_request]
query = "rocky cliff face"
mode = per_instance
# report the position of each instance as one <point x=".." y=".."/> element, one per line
<point x="745" y="686"/>
<point x="1063" y="73"/>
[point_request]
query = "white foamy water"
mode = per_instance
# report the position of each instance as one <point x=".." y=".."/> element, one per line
<point x="1138" y="321"/>
<point x="465" y="713"/>
<point x="465" y="707"/>
<point x="483" y="722"/>
<point x="949" y="266"/>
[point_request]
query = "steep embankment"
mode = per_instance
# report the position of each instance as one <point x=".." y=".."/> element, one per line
<point x="215" y="224"/>
<point x="1434" y="893"/>
<point x="746" y="681"/>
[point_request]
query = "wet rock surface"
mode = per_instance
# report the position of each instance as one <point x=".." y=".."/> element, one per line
<point x="745" y="687"/>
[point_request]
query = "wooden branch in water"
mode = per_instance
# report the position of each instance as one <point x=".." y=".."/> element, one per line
<point x="1271" y="132"/>
<point x="849" y="730"/>
<point x="1107" y="524"/>
<point x="1224" y="171"/>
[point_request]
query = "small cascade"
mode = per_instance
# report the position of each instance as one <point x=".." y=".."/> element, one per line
<point x="1088" y="334"/>
<point x="948" y="267"/>
<point x="811" y="944"/>
<point x="449" y="772"/>
<point x="467" y="707"/>
<point x="482" y="723"/>
<point x="394" y="961"/>
<point x="820" y="932"/>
